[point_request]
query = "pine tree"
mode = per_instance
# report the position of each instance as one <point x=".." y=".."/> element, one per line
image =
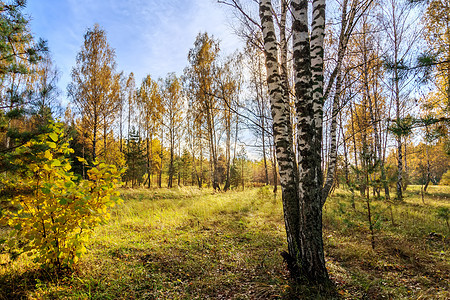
<point x="135" y="159"/>
<point x="19" y="58"/>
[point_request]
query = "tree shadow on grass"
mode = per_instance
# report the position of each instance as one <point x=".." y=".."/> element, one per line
<point x="222" y="258"/>
<point x="20" y="286"/>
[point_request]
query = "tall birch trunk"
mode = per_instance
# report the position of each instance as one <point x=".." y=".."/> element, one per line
<point x="302" y="186"/>
<point x="333" y="145"/>
<point x="281" y="130"/>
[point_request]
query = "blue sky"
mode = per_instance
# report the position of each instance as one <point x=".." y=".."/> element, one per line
<point x="149" y="36"/>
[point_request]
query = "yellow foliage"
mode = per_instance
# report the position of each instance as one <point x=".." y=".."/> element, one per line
<point x="445" y="180"/>
<point x="56" y="217"/>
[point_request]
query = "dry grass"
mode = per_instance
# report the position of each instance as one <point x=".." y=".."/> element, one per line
<point x="195" y="244"/>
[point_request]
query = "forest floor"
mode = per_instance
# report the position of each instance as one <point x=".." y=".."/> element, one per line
<point x="195" y="244"/>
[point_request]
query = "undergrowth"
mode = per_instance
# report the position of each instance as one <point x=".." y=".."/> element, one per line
<point x="187" y="243"/>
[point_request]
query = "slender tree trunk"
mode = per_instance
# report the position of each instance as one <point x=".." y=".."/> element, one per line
<point x="129" y="118"/>
<point x="235" y="138"/>
<point x="369" y="216"/>
<point x="346" y="163"/>
<point x="200" y="180"/>
<point x="194" y="174"/>
<point x="212" y="147"/>
<point x="121" y="125"/>
<point x="242" y="175"/>
<point x="84" y="156"/>
<point x="149" y="158"/>
<point x="228" y="150"/>
<point x="400" y="170"/>
<point x="179" y="167"/>
<point x="161" y="157"/>
<point x="104" y="141"/>
<point x="427" y="182"/>
<point x="362" y="154"/>
<point x="405" y="159"/>
<point x="171" y="169"/>
<point x="94" y="138"/>
<point x="266" y="172"/>
<point x="263" y="136"/>
<point x="422" y="193"/>
<point x="398" y="112"/>
<point x="381" y="156"/>
<point x="333" y="146"/>
<point x="274" y="171"/>
<point x="355" y="152"/>
<point x="261" y="105"/>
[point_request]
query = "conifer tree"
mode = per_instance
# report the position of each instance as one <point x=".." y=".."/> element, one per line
<point x="19" y="57"/>
<point x="135" y="159"/>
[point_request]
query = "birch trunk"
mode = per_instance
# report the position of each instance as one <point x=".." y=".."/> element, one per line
<point x="333" y="146"/>
<point x="282" y="140"/>
<point x="302" y="186"/>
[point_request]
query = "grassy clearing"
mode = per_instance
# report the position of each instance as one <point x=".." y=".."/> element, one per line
<point x="195" y="244"/>
<point x="410" y="259"/>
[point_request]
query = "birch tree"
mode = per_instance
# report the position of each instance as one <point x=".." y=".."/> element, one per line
<point x="301" y="187"/>
<point x="92" y="87"/>
<point x="202" y="59"/>
<point x="173" y="108"/>
<point x="295" y="78"/>
<point x="259" y="106"/>
<point x="150" y="106"/>
<point x="350" y="12"/>
<point x="228" y="81"/>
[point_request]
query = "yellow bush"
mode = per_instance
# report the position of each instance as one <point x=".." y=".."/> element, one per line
<point x="445" y="180"/>
<point x="57" y="214"/>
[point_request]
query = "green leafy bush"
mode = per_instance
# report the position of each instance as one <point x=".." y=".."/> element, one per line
<point x="59" y="210"/>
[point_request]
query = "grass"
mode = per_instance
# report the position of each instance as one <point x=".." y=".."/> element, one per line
<point x="187" y="243"/>
<point x="410" y="259"/>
